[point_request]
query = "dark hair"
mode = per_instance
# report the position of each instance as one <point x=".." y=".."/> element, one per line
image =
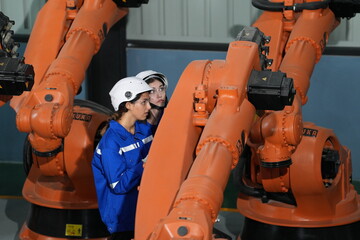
<point x="151" y="80"/>
<point x="122" y="108"/>
<point x="117" y="115"/>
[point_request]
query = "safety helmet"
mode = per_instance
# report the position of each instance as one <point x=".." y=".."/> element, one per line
<point x="126" y="90"/>
<point x="148" y="74"/>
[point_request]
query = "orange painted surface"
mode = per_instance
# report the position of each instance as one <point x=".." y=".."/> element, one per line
<point x="63" y="41"/>
<point x="189" y="163"/>
<point x="61" y="69"/>
<point x="204" y="161"/>
<point x="202" y="134"/>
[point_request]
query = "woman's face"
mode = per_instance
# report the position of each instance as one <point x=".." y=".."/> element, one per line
<point x="140" y="109"/>
<point x="158" y="94"/>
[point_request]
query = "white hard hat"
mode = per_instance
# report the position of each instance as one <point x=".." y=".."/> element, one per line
<point x="126" y="90"/>
<point x="148" y="74"/>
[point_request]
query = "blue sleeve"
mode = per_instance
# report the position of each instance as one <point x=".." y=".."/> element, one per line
<point x="120" y="178"/>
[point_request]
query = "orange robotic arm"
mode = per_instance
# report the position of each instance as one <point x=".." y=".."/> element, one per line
<point x="301" y="166"/>
<point x="219" y="117"/>
<point x="67" y="34"/>
<point x="248" y="101"/>
<point x="63" y="131"/>
<point x="64" y="38"/>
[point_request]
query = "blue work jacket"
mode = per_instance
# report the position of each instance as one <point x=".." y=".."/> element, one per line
<point x="117" y="167"/>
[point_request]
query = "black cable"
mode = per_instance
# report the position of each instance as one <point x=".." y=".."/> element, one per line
<point x="238" y="176"/>
<point x="298" y="7"/>
<point x="266" y="5"/>
<point x="245" y="157"/>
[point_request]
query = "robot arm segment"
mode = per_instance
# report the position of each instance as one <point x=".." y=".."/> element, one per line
<point x="193" y="211"/>
<point x="297" y="43"/>
<point x="200" y="196"/>
<point x="47" y="111"/>
<point x="277" y="134"/>
<point x="281" y="131"/>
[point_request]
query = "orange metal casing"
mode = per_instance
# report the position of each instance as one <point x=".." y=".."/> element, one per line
<point x="199" y="198"/>
<point x="298" y="40"/>
<point x="61" y="46"/>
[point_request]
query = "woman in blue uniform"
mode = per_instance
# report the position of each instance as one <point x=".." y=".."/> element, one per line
<point x="118" y="159"/>
<point x="158" y="99"/>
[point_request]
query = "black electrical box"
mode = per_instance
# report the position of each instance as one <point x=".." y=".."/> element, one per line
<point x="15" y="76"/>
<point x="269" y="90"/>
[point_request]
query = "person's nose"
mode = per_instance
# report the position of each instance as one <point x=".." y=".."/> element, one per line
<point x="159" y="94"/>
<point x="148" y="106"/>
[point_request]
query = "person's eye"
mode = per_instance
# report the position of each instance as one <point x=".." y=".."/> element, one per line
<point x="161" y="89"/>
<point x="152" y="91"/>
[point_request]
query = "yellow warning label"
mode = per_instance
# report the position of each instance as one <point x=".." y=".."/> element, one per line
<point x="73" y="230"/>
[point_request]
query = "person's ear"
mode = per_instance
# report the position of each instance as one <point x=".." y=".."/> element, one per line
<point x="128" y="105"/>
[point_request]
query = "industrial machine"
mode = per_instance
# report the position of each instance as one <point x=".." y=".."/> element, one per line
<point x="62" y="132"/>
<point x="242" y="114"/>
<point x="15" y="76"/>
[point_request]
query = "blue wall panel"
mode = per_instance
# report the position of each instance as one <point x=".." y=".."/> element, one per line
<point x="333" y="101"/>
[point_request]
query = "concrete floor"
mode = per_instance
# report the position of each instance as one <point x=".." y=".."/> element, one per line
<point x="13" y="212"/>
<point x="14" y="209"/>
<point x="230" y="222"/>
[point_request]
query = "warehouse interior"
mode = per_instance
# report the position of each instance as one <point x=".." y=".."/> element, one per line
<point x="167" y="36"/>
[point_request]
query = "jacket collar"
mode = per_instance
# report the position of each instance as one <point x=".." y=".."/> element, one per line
<point x="123" y="133"/>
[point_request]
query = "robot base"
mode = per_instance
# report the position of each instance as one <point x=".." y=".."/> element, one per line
<point x="254" y="230"/>
<point x="49" y="224"/>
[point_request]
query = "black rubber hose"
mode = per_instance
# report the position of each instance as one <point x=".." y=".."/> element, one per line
<point x="257" y="192"/>
<point x="238" y="176"/>
<point x="92" y="105"/>
<point x="27" y="155"/>
<point x="266" y="5"/>
<point x="310" y="5"/>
